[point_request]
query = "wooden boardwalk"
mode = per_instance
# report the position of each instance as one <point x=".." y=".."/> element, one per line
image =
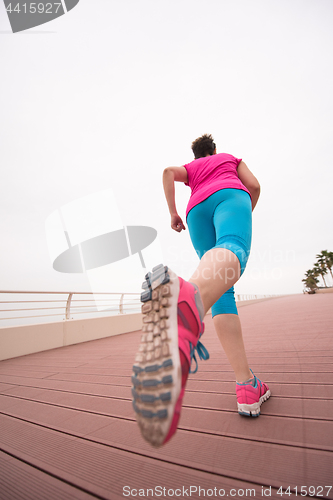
<point x="67" y="428"/>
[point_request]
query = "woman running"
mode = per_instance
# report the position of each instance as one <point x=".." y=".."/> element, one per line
<point x="219" y="217"/>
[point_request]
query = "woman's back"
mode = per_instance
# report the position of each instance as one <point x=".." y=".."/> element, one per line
<point x="210" y="174"/>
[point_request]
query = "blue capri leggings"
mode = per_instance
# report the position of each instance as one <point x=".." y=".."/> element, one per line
<point x="224" y="220"/>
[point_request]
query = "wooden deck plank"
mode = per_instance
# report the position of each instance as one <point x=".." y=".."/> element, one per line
<point x="283" y="430"/>
<point x="297" y="407"/>
<point x="6" y="387"/>
<point x="217" y="362"/>
<point x="280" y="389"/>
<point x="286" y="389"/>
<point x="300" y="377"/>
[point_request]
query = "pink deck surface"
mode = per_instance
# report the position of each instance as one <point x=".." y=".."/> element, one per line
<point x="68" y="431"/>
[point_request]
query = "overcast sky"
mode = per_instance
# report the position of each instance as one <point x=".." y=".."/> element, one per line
<point x="108" y="95"/>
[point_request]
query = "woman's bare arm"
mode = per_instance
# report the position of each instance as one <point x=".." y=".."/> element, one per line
<point x="249" y="181"/>
<point x="170" y="176"/>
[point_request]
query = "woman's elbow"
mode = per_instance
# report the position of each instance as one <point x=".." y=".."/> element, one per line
<point x="255" y="187"/>
<point x="167" y="172"/>
<point x="254" y="191"/>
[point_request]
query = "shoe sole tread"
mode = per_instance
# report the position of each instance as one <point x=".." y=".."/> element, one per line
<point x="156" y="374"/>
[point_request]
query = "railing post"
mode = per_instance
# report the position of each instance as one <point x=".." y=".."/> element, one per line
<point x="68" y="306"/>
<point x="121" y="304"/>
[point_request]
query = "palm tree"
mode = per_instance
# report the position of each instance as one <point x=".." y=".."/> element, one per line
<point x="310" y="280"/>
<point x="309" y="273"/>
<point x="320" y="269"/>
<point x="328" y="259"/>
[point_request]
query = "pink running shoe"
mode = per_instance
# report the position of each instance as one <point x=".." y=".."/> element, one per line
<point x="171" y="330"/>
<point x="250" y="397"/>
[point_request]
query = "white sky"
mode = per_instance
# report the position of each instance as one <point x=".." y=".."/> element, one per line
<point x="110" y="94"/>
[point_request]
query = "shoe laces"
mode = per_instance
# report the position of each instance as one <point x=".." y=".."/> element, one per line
<point x="256" y="379"/>
<point x="202" y="352"/>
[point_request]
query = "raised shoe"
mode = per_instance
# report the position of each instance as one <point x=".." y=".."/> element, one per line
<point x="172" y="326"/>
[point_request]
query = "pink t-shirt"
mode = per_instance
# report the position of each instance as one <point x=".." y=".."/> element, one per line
<point x="210" y="174"/>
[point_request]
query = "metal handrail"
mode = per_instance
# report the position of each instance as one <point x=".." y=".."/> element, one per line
<point x="103" y="302"/>
<point x="244" y="297"/>
<point x="72" y="304"/>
